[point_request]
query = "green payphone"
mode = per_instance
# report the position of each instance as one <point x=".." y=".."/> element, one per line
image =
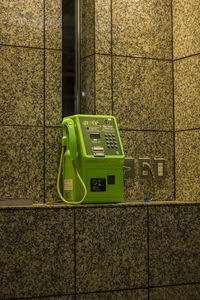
<point x="92" y="159"/>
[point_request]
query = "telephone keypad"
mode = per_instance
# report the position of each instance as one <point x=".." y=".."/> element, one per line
<point x="111" y="140"/>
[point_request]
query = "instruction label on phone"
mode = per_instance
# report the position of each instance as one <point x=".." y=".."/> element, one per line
<point x="68" y="184"/>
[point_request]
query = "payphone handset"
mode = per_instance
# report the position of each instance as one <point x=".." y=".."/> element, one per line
<point x="69" y="139"/>
<point x="92" y="160"/>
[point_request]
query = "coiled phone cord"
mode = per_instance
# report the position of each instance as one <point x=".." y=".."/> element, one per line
<point x="79" y="177"/>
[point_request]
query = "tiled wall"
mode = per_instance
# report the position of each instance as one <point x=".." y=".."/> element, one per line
<point x="30" y="98"/>
<point x="186" y="16"/>
<point x="127" y="56"/>
<point x="127" y="252"/>
<point x="146" y="73"/>
<point x="129" y="68"/>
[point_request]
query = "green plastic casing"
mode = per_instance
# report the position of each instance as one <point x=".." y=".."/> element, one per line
<point x="93" y="143"/>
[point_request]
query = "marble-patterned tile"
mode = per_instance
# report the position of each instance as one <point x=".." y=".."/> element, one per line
<point x="53" y="146"/>
<point x="174" y="244"/>
<point x="22" y="86"/>
<point x="142" y="28"/>
<point x="103" y="26"/>
<point x="184" y="292"/>
<point x="142" y="93"/>
<point x="186" y="93"/>
<point x="187" y="165"/>
<point x="53" y="88"/>
<point x="22" y="23"/>
<point x="36" y="253"/>
<point x="111" y="248"/>
<point x="139" y="294"/>
<point x="22" y="163"/>
<point x="87" y="27"/>
<point x="103" y="92"/>
<point x="150" y="144"/>
<point x="53" y="24"/>
<point x="87" y="85"/>
<point x="186" y="27"/>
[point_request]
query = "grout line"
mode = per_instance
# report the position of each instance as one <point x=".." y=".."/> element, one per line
<point x="173" y="101"/>
<point x="95" y="58"/>
<point x="128" y="56"/>
<point x="188" y="56"/>
<point x="144" y="130"/>
<point x="44" y="107"/>
<point x="29" y="47"/>
<point x="111" y="51"/>
<point x="173" y="285"/>
<point x="184" y="130"/>
<point x="110" y="291"/>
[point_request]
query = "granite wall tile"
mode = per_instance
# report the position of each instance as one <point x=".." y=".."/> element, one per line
<point x="141" y="28"/>
<point x="87" y="27"/>
<point x="103" y="90"/>
<point x="186" y="27"/>
<point x="36" y="253"/>
<point x="88" y="85"/>
<point x="186" y="93"/>
<point x="22" y="87"/>
<point x="53" y="146"/>
<point x="153" y="145"/>
<point x="184" y="292"/>
<point x="22" y="23"/>
<point x="53" y="24"/>
<point x="103" y="26"/>
<point x="53" y="88"/>
<point x="139" y="294"/>
<point x="174" y="244"/>
<point x="142" y="93"/>
<point x="22" y="163"/>
<point x="187" y="165"/>
<point x="111" y="248"/>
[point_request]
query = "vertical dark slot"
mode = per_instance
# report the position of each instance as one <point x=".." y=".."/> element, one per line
<point x="68" y="57"/>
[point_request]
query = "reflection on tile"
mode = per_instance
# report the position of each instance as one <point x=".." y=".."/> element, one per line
<point x="186" y="93"/>
<point x="53" y="24"/>
<point x="184" y="292"/>
<point x="103" y="26"/>
<point x="149" y="144"/>
<point x="22" y="23"/>
<point x="186" y="27"/>
<point x="111" y="248"/>
<point x="87" y="23"/>
<point x="187" y="165"/>
<point x="103" y="97"/>
<point x="142" y="93"/>
<point x="87" y="86"/>
<point x="53" y="148"/>
<point x="21" y="161"/>
<point x="142" y="28"/>
<point x="116" y="295"/>
<point x="174" y="244"/>
<point x="53" y="88"/>
<point x="36" y="253"/>
<point x="21" y="81"/>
